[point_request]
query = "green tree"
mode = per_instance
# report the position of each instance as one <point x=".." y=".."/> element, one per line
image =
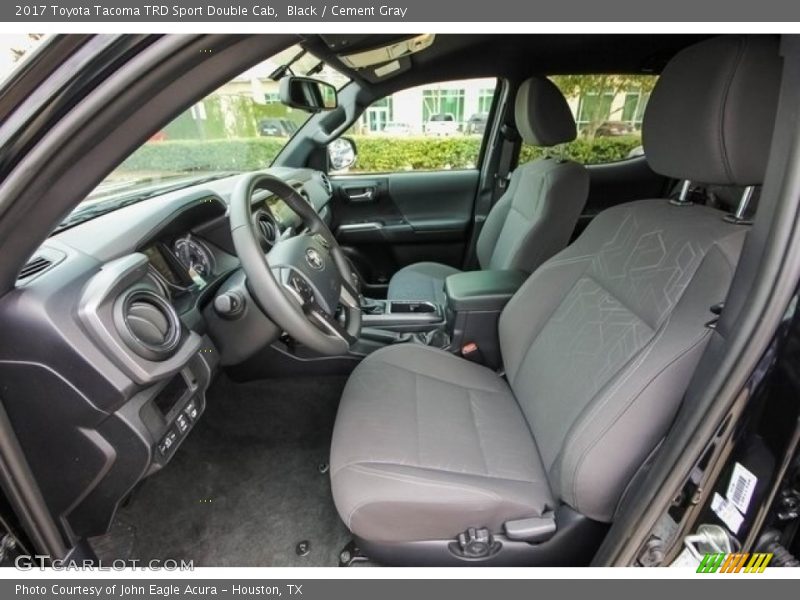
<point x="603" y="88"/>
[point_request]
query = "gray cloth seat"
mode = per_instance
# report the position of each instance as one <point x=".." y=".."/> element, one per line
<point x="598" y="345"/>
<point x="423" y="431"/>
<point x="536" y="215"/>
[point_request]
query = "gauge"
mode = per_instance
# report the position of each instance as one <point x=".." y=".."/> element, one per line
<point x="195" y="256"/>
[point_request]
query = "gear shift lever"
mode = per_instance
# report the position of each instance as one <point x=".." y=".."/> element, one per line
<point x="370" y="306"/>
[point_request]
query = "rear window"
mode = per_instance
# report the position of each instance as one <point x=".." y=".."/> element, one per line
<point x="608" y="111"/>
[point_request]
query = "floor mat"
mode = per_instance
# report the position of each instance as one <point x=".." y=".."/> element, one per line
<point x="246" y="486"/>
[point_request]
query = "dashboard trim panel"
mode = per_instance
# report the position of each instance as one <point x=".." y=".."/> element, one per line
<point x="95" y="308"/>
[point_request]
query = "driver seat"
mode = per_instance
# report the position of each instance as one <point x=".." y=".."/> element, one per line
<point x="437" y="460"/>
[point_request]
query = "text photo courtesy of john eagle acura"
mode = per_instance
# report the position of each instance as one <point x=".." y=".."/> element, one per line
<point x="319" y="300"/>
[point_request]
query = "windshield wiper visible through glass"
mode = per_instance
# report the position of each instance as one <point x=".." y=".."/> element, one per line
<point x="101" y="207"/>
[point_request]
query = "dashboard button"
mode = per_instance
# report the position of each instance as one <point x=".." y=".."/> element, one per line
<point x="183" y="423"/>
<point x="167" y="442"/>
<point x="191" y="410"/>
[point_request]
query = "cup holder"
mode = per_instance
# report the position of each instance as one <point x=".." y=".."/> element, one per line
<point x="411" y="307"/>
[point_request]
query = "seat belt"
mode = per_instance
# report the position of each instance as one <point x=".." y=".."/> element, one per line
<point x="509" y="151"/>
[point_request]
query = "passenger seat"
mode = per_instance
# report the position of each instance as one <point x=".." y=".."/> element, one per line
<point x="536" y="216"/>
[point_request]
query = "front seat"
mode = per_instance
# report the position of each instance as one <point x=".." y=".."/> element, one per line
<point x="536" y="215"/>
<point x="437" y="460"/>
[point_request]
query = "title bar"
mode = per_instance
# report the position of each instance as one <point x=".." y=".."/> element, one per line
<point x="394" y="11"/>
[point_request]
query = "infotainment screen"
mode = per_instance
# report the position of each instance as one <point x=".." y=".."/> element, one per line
<point x="167" y="398"/>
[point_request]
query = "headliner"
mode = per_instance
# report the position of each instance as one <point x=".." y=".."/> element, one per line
<point x="515" y="56"/>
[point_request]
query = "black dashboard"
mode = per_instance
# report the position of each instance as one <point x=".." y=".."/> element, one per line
<point x="114" y="342"/>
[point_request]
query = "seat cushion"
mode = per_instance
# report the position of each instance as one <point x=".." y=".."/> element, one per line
<point x="427" y="444"/>
<point x="422" y="281"/>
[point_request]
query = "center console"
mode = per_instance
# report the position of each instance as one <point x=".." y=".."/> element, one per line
<point x="401" y="315"/>
<point x="465" y="324"/>
<point x="475" y="300"/>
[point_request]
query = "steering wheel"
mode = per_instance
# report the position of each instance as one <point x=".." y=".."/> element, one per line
<point x="303" y="280"/>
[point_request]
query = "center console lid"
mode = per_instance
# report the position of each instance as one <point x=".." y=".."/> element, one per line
<point x="474" y="302"/>
<point x="482" y="290"/>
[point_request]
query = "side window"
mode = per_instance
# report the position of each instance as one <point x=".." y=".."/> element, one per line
<point x="432" y="127"/>
<point x="608" y="110"/>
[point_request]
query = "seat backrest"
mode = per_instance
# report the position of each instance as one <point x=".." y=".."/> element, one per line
<point x="600" y="343"/>
<point x="536" y="216"/>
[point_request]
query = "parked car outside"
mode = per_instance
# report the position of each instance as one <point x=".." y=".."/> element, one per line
<point x="276" y="128"/>
<point x="614" y="128"/>
<point x="476" y="124"/>
<point x="397" y="129"/>
<point x="442" y="124"/>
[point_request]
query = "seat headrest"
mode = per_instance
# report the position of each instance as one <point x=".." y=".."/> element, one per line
<point x="711" y="115"/>
<point x="542" y="114"/>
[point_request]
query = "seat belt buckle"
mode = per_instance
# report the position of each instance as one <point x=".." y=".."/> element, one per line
<point x="716" y="310"/>
<point x="472" y="352"/>
<point x="502" y="180"/>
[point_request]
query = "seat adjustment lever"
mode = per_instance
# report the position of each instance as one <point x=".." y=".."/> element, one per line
<point x="532" y="529"/>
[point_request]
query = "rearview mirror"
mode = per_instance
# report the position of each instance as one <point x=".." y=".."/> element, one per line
<point x="307" y="94"/>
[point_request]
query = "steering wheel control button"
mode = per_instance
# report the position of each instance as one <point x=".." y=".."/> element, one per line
<point x="302" y="287"/>
<point x="320" y="239"/>
<point x="229" y="305"/>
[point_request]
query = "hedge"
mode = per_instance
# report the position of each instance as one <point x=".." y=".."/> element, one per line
<point x="243" y="154"/>
<point x="375" y="153"/>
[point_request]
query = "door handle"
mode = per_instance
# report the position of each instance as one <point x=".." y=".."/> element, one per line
<point x="360" y="194"/>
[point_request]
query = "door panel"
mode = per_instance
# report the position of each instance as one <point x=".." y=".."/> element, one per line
<point x="618" y="182"/>
<point x="387" y="221"/>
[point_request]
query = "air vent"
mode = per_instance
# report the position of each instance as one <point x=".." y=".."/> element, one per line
<point x="34" y="266"/>
<point x="45" y="259"/>
<point x="148" y="324"/>
<point x="326" y="183"/>
<point x="266" y="227"/>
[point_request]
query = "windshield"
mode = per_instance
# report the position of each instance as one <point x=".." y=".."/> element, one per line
<point x="242" y="126"/>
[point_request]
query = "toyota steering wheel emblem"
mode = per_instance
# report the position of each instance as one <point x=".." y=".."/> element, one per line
<point x="314" y="259"/>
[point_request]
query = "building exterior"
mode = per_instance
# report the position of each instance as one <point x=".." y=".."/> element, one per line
<point x="250" y="105"/>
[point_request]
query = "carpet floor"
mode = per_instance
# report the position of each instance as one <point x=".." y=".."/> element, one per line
<point x="246" y="486"/>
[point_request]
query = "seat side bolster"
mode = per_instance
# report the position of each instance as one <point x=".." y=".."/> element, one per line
<point x="519" y="325"/>
<point x="620" y="427"/>
<point x="540" y="224"/>
<point x="495" y="221"/>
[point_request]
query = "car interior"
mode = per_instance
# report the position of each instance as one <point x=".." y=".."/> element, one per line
<point x="310" y="365"/>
